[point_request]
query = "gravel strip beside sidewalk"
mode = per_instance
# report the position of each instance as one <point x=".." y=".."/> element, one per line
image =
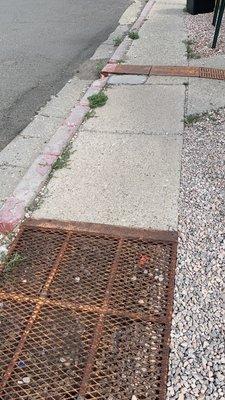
<point x="197" y="354"/>
<point x="201" y="31"/>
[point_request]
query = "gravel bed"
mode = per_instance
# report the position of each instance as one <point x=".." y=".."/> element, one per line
<point x="201" y="31"/>
<point x="197" y="347"/>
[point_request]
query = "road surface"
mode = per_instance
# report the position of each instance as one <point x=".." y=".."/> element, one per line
<point x="42" y="42"/>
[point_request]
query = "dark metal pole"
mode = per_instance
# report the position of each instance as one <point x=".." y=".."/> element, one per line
<point x="216" y="12"/>
<point x="218" y="23"/>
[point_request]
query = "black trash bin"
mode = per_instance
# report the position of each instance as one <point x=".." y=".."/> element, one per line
<point x="200" y="6"/>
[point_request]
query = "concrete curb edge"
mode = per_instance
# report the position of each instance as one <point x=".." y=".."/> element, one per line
<point x="126" y="43"/>
<point x="14" y="208"/>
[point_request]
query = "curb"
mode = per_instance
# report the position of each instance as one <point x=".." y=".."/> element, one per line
<point x="126" y="43"/>
<point x="14" y="209"/>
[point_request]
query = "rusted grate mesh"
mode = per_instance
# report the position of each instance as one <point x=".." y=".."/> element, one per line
<point x="38" y="250"/>
<point x="91" y="318"/>
<point x="13" y="320"/>
<point x="142" y="265"/>
<point x="54" y="356"/>
<point x="84" y="270"/>
<point x="128" y="361"/>
<point x="212" y="73"/>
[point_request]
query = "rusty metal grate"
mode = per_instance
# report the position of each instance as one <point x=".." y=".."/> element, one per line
<point x="212" y="73"/>
<point x="86" y="313"/>
<point x="164" y="70"/>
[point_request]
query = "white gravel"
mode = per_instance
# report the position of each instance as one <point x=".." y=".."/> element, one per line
<point x="201" y="31"/>
<point x="197" y="358"/>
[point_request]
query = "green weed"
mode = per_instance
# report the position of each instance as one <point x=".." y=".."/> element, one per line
<point x="90" y="114"/>
<point x="99" y="67"/>
<point x="117" y="40"/>
<point x="189" y="51"/>
<point x="14" y="261"/>
<point x="133" y="35"/>
<point x="64" y="159"/>
<point x="97" y="100"/>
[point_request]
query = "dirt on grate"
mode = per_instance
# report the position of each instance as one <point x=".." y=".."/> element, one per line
<point x="87" y="313"/>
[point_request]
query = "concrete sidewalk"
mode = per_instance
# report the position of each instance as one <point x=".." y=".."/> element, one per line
<point x="125" y="163"/>
<point x="130" y="164"/>
<point x="136" y="163"/>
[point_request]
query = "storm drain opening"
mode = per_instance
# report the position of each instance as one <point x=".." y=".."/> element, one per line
<point x="85" y="312"/>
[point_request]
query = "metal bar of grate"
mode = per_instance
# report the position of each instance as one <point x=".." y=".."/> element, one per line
<point x="92" y="318"/>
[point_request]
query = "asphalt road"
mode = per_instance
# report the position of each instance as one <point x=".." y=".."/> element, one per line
<point x="42" y="43"/>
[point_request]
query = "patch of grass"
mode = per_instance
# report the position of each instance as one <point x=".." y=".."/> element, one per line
<point x="97" y="100"/>
<point x="189" y="50"/>
<point x="99" y="67"/>
<point x="64" y="159"/>
<point x="191" y="119"/>
<point x="14" y="261"/>
<point x="90" y="114"/>
<point x="133" y="35"/>
<point x="117" y="40"/>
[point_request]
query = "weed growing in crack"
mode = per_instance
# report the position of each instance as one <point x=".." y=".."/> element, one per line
<point x="193" y="118"/>
<point x="133" y="35"/>
<point x="99" y="67"/>
<point x="90" y="114"/>
<point x="117" y="40"/>
<point x="97" y="100"/>
<point x="63" y="160"/>
<point x="189" y="51"/>
<point x="36" y="204"/>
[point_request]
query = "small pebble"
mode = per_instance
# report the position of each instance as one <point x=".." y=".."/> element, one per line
<point x="77" y="279"/>
<point x="145" y="271"/>
<point x="21" y="364"/>
<point x="26" y="379"/>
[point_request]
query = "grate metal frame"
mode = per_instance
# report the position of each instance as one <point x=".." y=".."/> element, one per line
<point x="40" y="300"/>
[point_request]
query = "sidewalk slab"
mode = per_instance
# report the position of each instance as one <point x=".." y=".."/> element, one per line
<point x="167" y="80"/>
<point x="42" y="127"/>
<point x="22" y="151"/>
<point x="205" y="95"/>
<point x="130" y="180"/>
<point x="10" y="176"/>
<point x="141" y="109"/>
<point x="161" y="37"/>
<point x="127" y="79"/>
